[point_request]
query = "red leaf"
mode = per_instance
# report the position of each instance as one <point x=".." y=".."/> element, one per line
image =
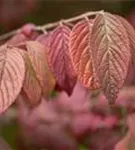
<point x="111" y="53"/>
<point x="12" y="71"/>
<point x="80" y="53"/>
<point x="60" y="60"/>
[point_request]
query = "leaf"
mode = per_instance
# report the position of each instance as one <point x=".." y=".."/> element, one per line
<point x="80" y="53"/>
<point x="12" y="71"/>
<point x="31" y="85"/>
<point x="59" y="58"/>
<point x="111" y="53"/>
<point x="28" y="29"/>
<point x="39" y="61"/>
<point x="25" y="33"/>
<point x="44" y="39"/>
<point x="17" y="39"/>
<point x="131" y="35"/>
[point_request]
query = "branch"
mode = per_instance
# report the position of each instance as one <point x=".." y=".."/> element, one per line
<point x="52" y="25"/>
<point x="8" y="35"/>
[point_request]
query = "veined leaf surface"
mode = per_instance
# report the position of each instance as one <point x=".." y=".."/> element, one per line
<point x="80" y="53"/>
<point x="59" y="58"/>
<point x="40" y="64"/>
<point x="131" y="35"/>
<point x="12" y="71"/>
<point x="111" y="53"/>
<point x="31" y="85"/>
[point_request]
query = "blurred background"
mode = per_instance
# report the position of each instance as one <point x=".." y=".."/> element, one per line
<point x="15" y="13"/>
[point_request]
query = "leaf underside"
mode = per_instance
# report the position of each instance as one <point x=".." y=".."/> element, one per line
<point x="111" y="53"/>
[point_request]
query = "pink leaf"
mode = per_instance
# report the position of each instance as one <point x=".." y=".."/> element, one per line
<point x="60" y="60"/>
<point x="12" y="73"/>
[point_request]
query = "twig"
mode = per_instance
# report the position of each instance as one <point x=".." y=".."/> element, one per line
<point x="8" y="35"/>
<point x="52" y="25"/>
